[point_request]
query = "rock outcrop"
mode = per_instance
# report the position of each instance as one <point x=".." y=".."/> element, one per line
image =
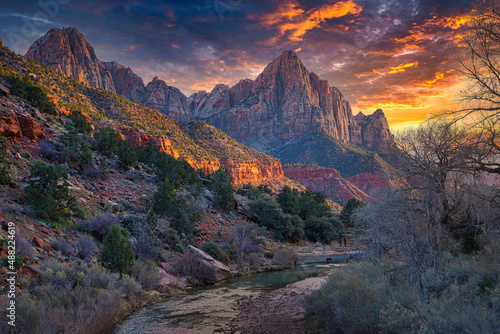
<point x="369" y="182"/>
<point x="126" y="82"/>
<point x="326" y="180"/>
<point x="19" y="119"/>
<point x="166" y="99"/>
<point x="285" y="101"/>
<point x="67" y="51"/>
<point x="375" y="132"/>
<point x="203" y="267"/>
<point x="1" y="43"/>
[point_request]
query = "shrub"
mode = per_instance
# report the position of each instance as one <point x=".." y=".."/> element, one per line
<point x="287" y="199"/>
<point x="348" y="209"/>
<point x="80" y="121"/>
<point x="117" y="254"/>
<point x="127" y="157"/>
<point x="269" y="214"/>
<point x="106" y="140"/>
<point x="86" y="247"/>
<point x="320" y="230"/>
<point x="69" y="298"/>
<point x="215" y="251"/>
<point x="146" y="273"/>
<point x="147" y="246"/>
<point x="175" y="171"/>
<point x="285" y="256"/>
<point x="99" y="225"/>
<point x="24" y="87"/>
<point x="5" y="176"/>
<point x="170" y="237"/>
<point x="223" y="190"/>
<point x="63" y="246"/>
<point x="23" y="247"/>
<point x="48" y="193"/>
<point x="162" y="197"/>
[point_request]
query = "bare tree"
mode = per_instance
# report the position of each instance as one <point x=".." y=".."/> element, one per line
<point x="478" y="54"/>
<point x="479" y="59"/>
<point x="435" y="165"/>
<point x="399" y="227"/>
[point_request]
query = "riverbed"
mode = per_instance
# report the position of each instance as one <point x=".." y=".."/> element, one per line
<point x="203" y="310"/>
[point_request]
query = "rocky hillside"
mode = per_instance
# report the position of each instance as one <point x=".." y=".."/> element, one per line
<point x="136" y="123"/>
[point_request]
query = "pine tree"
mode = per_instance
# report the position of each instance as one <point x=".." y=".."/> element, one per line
<point x="117" y="254"/>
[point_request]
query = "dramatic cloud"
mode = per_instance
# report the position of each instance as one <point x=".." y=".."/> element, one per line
<point x="389" y="54"/>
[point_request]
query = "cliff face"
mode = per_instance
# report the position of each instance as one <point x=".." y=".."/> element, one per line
<point x="375" y="132"/>
<point x="126" y="82"/>
<point x="166" y="99"/>
<point x="326" y="180"/>
<point x="67" y="51"/>
<point x="285" y="101"/>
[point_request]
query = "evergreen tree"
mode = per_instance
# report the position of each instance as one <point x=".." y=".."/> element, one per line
<point x="117" y="254"/>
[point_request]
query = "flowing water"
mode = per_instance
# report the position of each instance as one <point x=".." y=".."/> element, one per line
<point x="202" y="310"/>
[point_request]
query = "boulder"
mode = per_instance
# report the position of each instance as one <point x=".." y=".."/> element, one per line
<point x="40" y="244"/>
<point x="203" y="267"/>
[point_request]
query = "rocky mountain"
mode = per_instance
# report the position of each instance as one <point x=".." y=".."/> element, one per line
<point x="285" y="101"/>
<point x="287" y="111"/>
<point x="67" y="51"/>
<point x="200" y="144"/>
<point x="375" y="131"/>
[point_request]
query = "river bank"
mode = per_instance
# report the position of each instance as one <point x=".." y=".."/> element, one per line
<point x="276" y="312"/>
<point x="211" y="309"/>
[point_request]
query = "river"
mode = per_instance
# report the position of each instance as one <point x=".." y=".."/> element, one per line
<point x="202" y="310"/>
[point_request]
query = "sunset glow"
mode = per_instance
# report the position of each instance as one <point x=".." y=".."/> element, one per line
<point x="381" y="54"/>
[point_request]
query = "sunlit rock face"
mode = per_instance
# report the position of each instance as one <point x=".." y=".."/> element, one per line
<point x="326" y="180"/>
<point x="286" y="100"/>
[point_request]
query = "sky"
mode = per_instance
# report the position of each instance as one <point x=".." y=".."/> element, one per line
<point x="389" y="54"/>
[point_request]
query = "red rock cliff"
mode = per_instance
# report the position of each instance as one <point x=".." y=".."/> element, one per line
<point x="326" y="180"/>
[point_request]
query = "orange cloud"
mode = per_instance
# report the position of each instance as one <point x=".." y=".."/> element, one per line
<point x="401" y="68"/>
<point x="429" y="83"/>
<point x="289" y="18"/>
<point x="366" y="74"/>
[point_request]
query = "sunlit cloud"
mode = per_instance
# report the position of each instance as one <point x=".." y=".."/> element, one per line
<point x="294" y="22"/>
<point x="402" y="67"/>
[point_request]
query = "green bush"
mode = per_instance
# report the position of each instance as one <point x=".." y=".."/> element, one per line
<point x="25" y="88"/>
<point x="106" y="140"/>
<point x="176" y="171"/>
<point x="285" y="226"/>
<point x="223" y="190"/>
<point x="347" y="211"/>
<point x="127" y="156"/>
<point x="5" y="176"/>
<point x="117" y="254"/>
<point x="80" y="122"/>
<point x="47" y="193"/>
<point x="288" y="200"/>
<point x="215" y="251"/>
<point x="321" y="229"/>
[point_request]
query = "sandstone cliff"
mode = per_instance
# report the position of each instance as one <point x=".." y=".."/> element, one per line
<point x="67" y="51"/>
<point x="375" y="131"/>
<point x="326" y="180"/>
<point x="166" y="99"/>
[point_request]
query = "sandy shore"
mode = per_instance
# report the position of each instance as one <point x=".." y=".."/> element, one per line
<point x="277" y="312"/>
